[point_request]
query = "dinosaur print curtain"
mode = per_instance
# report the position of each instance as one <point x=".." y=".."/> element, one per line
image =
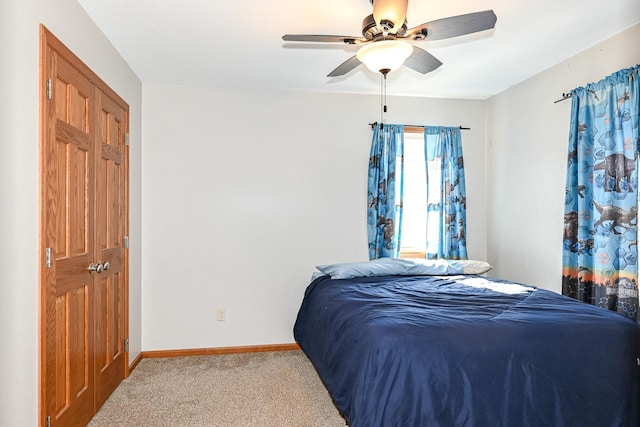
<point x="446" y="193"/>
<point x="600" y="252"/>
<point x="384" y="216"/>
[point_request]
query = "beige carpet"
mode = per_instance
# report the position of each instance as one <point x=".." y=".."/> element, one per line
<point x="252" y="389"/>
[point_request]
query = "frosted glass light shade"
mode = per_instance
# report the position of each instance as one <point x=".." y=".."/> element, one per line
<point x="385" y="54"/>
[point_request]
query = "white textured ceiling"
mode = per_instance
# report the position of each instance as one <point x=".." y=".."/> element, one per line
<point x="238" y="43"/>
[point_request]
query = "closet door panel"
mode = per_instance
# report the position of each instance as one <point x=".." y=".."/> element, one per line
<point x="67" y="198"/>
<point x="111" y="229"/>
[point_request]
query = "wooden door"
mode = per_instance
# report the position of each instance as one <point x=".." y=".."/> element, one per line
<point x="111" y="207"/>
<point x="83" y="222"/>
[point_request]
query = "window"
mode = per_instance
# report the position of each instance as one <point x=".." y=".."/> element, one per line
<point x="414" y="204"/>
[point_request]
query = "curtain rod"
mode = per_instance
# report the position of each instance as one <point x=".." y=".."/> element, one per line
<point x="411" y="126"/>
<point x="565" y="96"/>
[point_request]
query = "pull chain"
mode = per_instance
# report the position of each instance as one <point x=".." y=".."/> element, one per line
<point x="385" y="91"/>
<point x="382" y="106"/>
<point x="383" y="94"/>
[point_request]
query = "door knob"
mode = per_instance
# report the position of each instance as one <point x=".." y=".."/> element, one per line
<point x="96" y="268"/>
<point x="92" y="268"/>
<point x="106" y="265"/>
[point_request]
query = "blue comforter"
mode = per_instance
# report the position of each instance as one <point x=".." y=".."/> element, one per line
<point x="432" y="351"/>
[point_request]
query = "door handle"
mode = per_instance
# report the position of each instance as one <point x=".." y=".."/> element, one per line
<point x="96" y="268"/>
<point x="106" y="265"/>
<point x="92" y="268"/>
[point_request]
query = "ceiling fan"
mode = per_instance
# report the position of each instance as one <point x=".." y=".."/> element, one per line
<point x="385" y="38"/>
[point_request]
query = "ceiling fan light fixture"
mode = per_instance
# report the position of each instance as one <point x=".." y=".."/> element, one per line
<point x="384" y="55"/>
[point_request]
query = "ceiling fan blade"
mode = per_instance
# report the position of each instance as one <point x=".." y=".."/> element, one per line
<point x="322" y="38"/>
<point x="422" y="61"/>
<point x="345" y="67"/>
<point x="453" y="26"/>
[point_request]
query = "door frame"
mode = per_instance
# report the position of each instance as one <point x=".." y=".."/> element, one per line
<point x="50" y="41"/>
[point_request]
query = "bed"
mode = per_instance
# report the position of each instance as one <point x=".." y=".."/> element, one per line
<point x="454" y="349"/>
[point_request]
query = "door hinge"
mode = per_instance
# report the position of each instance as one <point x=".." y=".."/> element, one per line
<point x="126" y="344"/>
<point x="49" y="89"/>
<point x="126" y="138"/>
<point x="47" y="257"/>
<point x="126" y="242"/>
<point x="48" y="421"/>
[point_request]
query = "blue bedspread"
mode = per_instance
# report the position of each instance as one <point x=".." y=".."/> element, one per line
<point x="430" y="351"/>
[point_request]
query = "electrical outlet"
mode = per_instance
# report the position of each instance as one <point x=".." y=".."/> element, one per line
<point x="220" y="314"/>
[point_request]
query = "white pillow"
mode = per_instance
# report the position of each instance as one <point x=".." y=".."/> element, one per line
<point x="470" y="266"/>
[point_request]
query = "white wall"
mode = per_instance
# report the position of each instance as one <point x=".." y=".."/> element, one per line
<point x="19" y="58"/>
<point x="527" y="154"/>
<point x="246" y="191"/>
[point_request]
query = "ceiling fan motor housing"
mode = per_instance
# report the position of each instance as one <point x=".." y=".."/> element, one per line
<point x="369" y="28"/>
<point x="371" y="31"/>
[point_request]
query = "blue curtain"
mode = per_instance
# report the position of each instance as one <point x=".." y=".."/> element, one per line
<point x="600" y="252"/>
<point x="383" y="215"/>
<point x="446" y="193"/>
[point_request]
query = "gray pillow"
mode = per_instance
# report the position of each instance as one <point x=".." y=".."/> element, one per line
<point x="391" y="267"/>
